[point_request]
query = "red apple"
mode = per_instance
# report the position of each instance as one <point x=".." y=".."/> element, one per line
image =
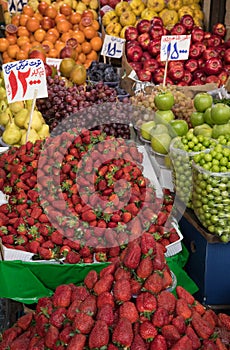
<point x="160" y="63"/>
<point x="131" y="34"/>
<point x="176" y="64"/>
<point x="154" y="47"/>
<point x="199" y="74"/>
<point x="191" y="65"/>
<point x="194" y="51"/>
<point x="144" y="75"/>
<point x="144" y="40"/>
<point x="187" y="21"/>
<point x="223" y="77"/>
<point x="134" y="53"/>
<point x="178" y="29"/>
<point x="197" y="82"/>
<point x="209" y="52"/>
<point x="146" y="56"/>
<point x="143" y="26"/>
<point x="197" y="34"/>
<point x="157" y="21"/>
<point x="156" y="32"/>
<point x="176" y="73"/>
<point x="214" y="40"/>
<point x="227" y="56"/>
<point x="158" y="75"/>
<point x="187" y="78"/>
<point x="200" y="63"/>
<point x="219" y="29"/>
<point x="151" y="64"/>
<point x="221" y="50"/>
<point x="213" y="79"/>
<point x="213" y="66"/>
<point x="136" y="65"/>
<point x="132" y="43"/>
<point x="48" y="70"/>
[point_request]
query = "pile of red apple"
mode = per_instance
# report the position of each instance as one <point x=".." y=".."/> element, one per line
<point x="209" y="54"/>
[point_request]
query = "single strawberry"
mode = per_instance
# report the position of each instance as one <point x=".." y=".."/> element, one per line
<point x="146" y="304"/>
<point x="56" y="237"/>
<point x="122" y="290"/>
<point x="62" y="296"/>
<point x="167" y="300"/>
<point x="138" y="343"/>
<point x="129" y="311"/>
<point x="105" y="298"/>
<point x="105" y="313"/>
<point x="79" y="293"/>
<point x="57" y="317"/>
<point x="77" y="342"/>
<point x="89" y="305"/>
<point x="25" y="321"/>
<point x="184" y="294"/>
<point x="121" y="273"/>
<point x="183" y="343"/>
<point x="99" y="335"/>
<point x="123" y="333"/>
<point x="110" y="269"/>
<point x="66" y="334"/>
<point x="167" y="278"/>
<point x="72" y="257"/>
<point x="198" y="307"/>
<point x="22" y="342"/>
<point x="160" y="317"/>
<point x="209" y="344"/>
<point x="41" y="324"/>
<point x="154" y="283"/>
<point x="44" y="306"/>
<point x="73" y="309"/>
<point x="179" y="323"/>
<point x="159" y="343"/>
<point x="135" y="286"/>
<point x="211" y="317"/>
<point x="183" y="309"/>
<point x="104" y="284"/>
<point x="83" y="323"/>
<point x="147" y="331"/>
<point x="201" y="326"/>
<point x="194" y="337"/>
<point x="170" y="333"/>
<point x="145" y="268"/>
<point x="132" y="256"/>
<point x="51" y="336"/>
<point x="159" y="257"/>
<point x="90" y="279"/>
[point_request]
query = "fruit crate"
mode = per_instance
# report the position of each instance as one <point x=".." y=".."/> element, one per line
<point x="175" y="247"/>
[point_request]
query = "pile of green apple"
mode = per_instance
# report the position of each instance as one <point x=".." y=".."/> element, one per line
<point x="211" y="187"/>
<point x="210" y="119"/>
<point x="182" y="151"/>
<point x="164" y="127"/>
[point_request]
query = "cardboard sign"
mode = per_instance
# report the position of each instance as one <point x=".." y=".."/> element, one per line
<point x="175" y="47"/>
<point x="112" y="46"/>
<point x="16" y="5"/>
<point x="55" y="62"/>
<point x="23" y="77"/>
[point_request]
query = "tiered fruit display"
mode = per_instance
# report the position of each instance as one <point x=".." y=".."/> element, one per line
<point x="211" y="201"/>
<point x="208" y="60"/>
<point x="118" y="15"/>
<point x="46" y="31"/>
<point x="102" y="312"/>
<point x="210" y="119"/>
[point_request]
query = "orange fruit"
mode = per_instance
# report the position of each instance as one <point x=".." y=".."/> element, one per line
<point x="42" y="6"/>
<point x="87" y="63"/>
<point x="82" y="57"/>
<point x="59" y="45"/>
<point x="87" y="13"/>
<point x="12" y="38"/>
<point x="32" y="24"/>
<point x="63" y="26"/>
<point x="23" y="31"/>
<point x="66" y="36"/>
<point x="48" y="43"/>
<point x="27" y="10"/>
<point x="5" y="57"/>
<point x="95" y="25"/>
<point x="15" y="19"/>
<point x="75" y="18"/>
<point x="12" y="50"/>
<point x="38" y="16"/>
<point x="92" y="56"/>
<point x="4" y="44"/>
<point x="22" y="40"/>
<point x="78" y="48"/>
<point x="65" y="9"/>
<point x="90" y="32"/>
<point x="86" y="47"/>
<point x="26" y="47"/>
<point x="21" y="55"/>
<point x="53" y="31"/>
<point x="51" y="11"/>
<point x="96" y="43"/>
<point x="59" y="17"/>
<point x="39" y="35"/>
<point x="50" y="37"/>
<point x="79" y="35"/>
<point x="23" y="19"/>
<point x="53" y="53"/>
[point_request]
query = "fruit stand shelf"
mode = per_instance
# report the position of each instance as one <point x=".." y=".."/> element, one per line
<point x="208" y="262"/>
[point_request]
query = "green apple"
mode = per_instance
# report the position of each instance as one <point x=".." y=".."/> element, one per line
<point x="160" y="143"/>
<point x="178" y="127"/>
<point x="197" y="118"/>
<point x="164" y="101"/>
<point x="164" y="117"/>
<point x="220" y="113"/>
<point x="146" y="128"/>
<point x="207" y="116"/>
<point x="203" y="129"/>
<point x="159" y="129"/>
<point x="218" y="130"/>
<point x="202" y="101"/>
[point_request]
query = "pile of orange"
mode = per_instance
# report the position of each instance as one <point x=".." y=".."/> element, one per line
<point x="48" y="30"/>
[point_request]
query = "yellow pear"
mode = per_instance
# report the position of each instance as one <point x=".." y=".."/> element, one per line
<point x="16" y="106"/>
<point x="33" y="136"/>
<point x="11" y="134"/>
<point x="36" y="121"/>
<point x="20" y="117"/>
<point x="2" y="93"/>
<point x="93" y="4"/>
<point x="44" y="131"/>
<point x="81" y="7"/>
<point x="86" y="2"/>
<point x="3" y="106"/>
<point x="5" y="116"/>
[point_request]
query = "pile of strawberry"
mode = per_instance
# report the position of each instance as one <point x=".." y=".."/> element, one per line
<point x="56" y="212"/>
<point x="125" y="306"/>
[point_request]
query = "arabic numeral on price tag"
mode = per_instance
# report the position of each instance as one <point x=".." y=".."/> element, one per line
<point x="112" y="46"/>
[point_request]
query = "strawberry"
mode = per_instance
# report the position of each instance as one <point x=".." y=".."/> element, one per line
<point x="194" y="337"/>
<point x="183" y="343"/>
<point x="154" y="283"/>
<point x="72" y="257"/>
<point x="220" y="345"/>
<point x="89" y="305"/>
<point x="179" y="323"/>
<point x="209" y="344"/>
<point x="160" y="317"/>
<point x="159" y="343"/>
<point x="167" y="277"/>
<point x="170" y="333"/>
<point x="211" y="317"/>
<point x="184" y="294"/>
<point x="57" y="317"/>
<point x="51" y="336"/>
<point x="77" y="342"/>
<point x="72" y="309"/>
<point x="146" y="304"/>
<point x="128" y="310"/>
<point x="25" y="321"/>
<point x="135" y="227"/>
<point x="166" y="300"/>
<point x="183" y="309"/>
<point x="62" y="296"/>
<point x="147" y="331"/>
<point x="135" y="286"/>
<point x="110" y="269"/>
<point x="122" y="273"/>
<point x="9" y="335"/>
<point x="104" y="284"/>
<point x="123" y="333"/>
<point x="105" y="313"/>
<point x="90" y="279"/>
<point x="201" y="326"/>
<point x="112" y="347"/>
<point x="79" y="293"/>
<point x="162" y="218"/>
<point x="145" y="268"/>
<point x="45" y="253"/>
<point x="138" y="343"/>
<point x="159" y="257"/>
<point x="65" y="334"/>
<point x="132" y="256"/>
<point x="56" y="237"/>
<point x="83" y="323"/>
<point x="198" y="307"/>
<point x="224" y="320"/>
<point x="44" y="306"/>
<point x="99" y="335"/>
<point x="132" y="209"/>
<point x="9" y="239"/>
<point x="122" y="290"/>
<point x="105" y="298"/>
<point x="22" y="342"/>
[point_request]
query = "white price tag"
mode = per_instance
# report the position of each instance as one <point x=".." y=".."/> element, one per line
<point x="113" y="46"/>
<point x="16" y="5"/>
<point x="55" y="62"/>
<point x="23" y="77"/>
<point x="175" y="47"/>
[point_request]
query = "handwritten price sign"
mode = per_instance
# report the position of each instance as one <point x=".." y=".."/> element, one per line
<point x="175" y="47"/>
<point x="112" y="46"/>
<point x="23" y="77"/>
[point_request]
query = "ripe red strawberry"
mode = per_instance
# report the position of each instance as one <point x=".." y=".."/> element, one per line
<point x="77" y="342"/>
<point x="198" y="307"/>
<point x="135" y="286"/>
<point x="201" y="326"/>
<point x="105" y="313"/>
<point x="9" y="334"/>
<point x="208" y="344"/>
<point x="220" y="345"/>
<point x="147" y="331"/>
<point x="122" y="273"/>
<point x="99" y="335"/>
<point x="56" y="237"/>
<point x="45" y="253"/>
<point x="194" y="337"/>
<point x="105" y="298"/>
<point x="72" y="258"/>
<point x="122" y="290"/>
<point x="184" y="294"/>
<point x="183" y="343"/>
<point x="138" y="343"/>
<point x="22" y="342"/>
<point x="159" y="343"/>
<point x="146" y="304"/>
<point x="211" y="317"/>
<point x="170" y="333"/>
<point x="183" y="309"/>
<point x="57" y="317"/>
<point x="72" y="309"/>
<point x="83" y="323"/>
<point x="44" y="306"/>
<point x="62" y="296"/>
<point x="167" y="278"/>
<point x="132" y="256"/>
<point x="159" y="257"/>
<point x="123" y="333"/>
<point x="51" y="336"/>
<point x="166" y="300"/>
<point x="160" y="317"/>
<point x="89" y="305"/>
<point x="145" y="268"/>
<point x="9" y="239"/>
<point x="41" y="324"/>
<point x="110" y="269"/>
<point x="24" y="321"/>
<point x="65" y="334"/>
<point x="224" y="320"/>
<point x="154" y="283"/>
<point x="79" y="293"/>
<point x="179" y="323"/>
<point x="104" y="284"/>
<point x="90" y="279"/>
<point x="129" y="311"/>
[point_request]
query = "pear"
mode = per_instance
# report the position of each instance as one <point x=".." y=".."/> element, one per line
<point x="44" y="131"/>
<point x="37" y="121"/>
<point x="16" y="106"/>
<point x="11" y="134"/>
<point x="2" y="93"/>
<point x="33" y="136"/>
<point x="93" y="4"/>
<point x="20" y="117"/>
<point x="5" y="117"/>
<point x="3" y="106"/>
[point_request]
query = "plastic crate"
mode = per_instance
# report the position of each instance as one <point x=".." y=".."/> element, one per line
<point x="175" y="247"/>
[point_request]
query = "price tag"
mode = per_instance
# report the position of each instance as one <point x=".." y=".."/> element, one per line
<point x="22" y="78"/>
<point x="175" y="47"/>
<point x="112" y="46"/>
<point x="16" y="5"/>
<point x="55" y="62"/>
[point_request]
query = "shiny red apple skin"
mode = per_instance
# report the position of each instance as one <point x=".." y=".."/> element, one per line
<point x="213" y="66"/>
<point x="143" y="26"/>
<point x="131" y="34"/>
